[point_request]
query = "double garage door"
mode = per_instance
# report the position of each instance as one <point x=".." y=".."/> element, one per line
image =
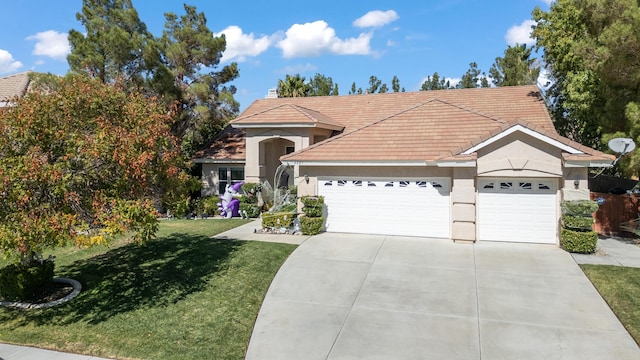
<point x="393" y="207"/>
<point x="517" y="210"/>
<point x="513" y="210"/>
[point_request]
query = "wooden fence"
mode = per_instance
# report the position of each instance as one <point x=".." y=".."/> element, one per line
<point x="614" y="210"/>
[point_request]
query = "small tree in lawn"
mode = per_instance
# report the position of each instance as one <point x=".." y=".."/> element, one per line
<point x="81" y="161"/>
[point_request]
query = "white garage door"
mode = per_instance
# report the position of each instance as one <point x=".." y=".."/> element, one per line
<point x="391" y="207"/>
<point x="518" y="210"/>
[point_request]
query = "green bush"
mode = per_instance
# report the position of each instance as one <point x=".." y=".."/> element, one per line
<point x="251" y="190"/>
<point x="310" y="225"/>
<point x="313" y="205"/>
<point x="251" y="210"/>
<point x="209" y="205"/>
<point x="277" y="220"/>
<point x="579" y="207"/>
<point x="19" y="282"/>
<point x="577" y="222"/>
<point x="582" y="242"/>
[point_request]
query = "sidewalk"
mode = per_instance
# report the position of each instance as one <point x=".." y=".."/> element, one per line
<point x="15" y="352"/>
<point x="612" y="251"/>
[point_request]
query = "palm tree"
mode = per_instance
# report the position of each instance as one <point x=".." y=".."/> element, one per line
<point x="293" y="86"/>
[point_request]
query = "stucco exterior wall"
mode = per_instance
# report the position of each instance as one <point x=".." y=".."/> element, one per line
<point x="264" y="147"/>
<point x="463" y="204"/>
<point x="520" y="155"/>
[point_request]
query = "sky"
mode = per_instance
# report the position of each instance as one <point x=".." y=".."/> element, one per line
<point x="348" y="40"/>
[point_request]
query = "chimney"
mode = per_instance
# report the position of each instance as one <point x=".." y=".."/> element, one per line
<point x="271" y="94"/>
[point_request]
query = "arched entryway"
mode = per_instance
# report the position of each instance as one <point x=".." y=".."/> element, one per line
<point x="270" y="152"/>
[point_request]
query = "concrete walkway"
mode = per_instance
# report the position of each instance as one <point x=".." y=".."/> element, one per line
<point x="612" y="251"/>
<point x="343" y="296"/>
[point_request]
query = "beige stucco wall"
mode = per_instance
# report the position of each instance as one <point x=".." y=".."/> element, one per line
<point x="519" y="155"/>
<point x="264" y="147"/>
<point x="463" y="204"/>
<point x="569" y="189"/>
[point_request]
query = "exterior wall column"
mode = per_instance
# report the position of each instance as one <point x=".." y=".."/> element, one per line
<point x="463" y="205"/>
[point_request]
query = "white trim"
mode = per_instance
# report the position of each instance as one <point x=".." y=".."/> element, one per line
<point x="453" y="163"/>
<point x="216" y="161"/>
<point x="587" y="163"/>
<point x="356" y="163"/>
<point x="527" y="131"/>
<point x="284" y="126"/>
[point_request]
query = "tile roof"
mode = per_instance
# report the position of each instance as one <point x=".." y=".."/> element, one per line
<point x="230" y="144"/>
<point x="411" y="126"/>
<point x="13" y="85"/>
<point x="289" y="115"/>
<point x="355" y="111"/>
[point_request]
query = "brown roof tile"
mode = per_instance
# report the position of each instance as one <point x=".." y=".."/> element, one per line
<point x="13" y="85"/>
<point x="287" y="114"/>
<point x="230" y="144"/>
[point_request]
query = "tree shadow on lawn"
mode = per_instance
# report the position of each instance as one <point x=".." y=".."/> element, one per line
<point x="159" y="273"/>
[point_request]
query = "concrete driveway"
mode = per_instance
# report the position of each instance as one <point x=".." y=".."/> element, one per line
<point x="342" y="296"/>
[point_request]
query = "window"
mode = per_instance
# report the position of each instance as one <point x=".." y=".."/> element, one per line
<point x="525" y="186"/>
<point x="357" y="183"/>
<point x="436" y="185"/>
<point x="543" y="187"/>
<point x="229" y="175"/>
<point x="289" y="149"/>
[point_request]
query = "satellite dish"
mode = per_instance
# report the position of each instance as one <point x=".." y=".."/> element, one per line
<point x="622" y="146"/>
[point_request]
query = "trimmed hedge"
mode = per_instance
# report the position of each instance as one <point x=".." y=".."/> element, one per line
<point x="582" y="242"/>
<point x="579" y="207"/>
<point x="19" y="282"/>
<point x="313" y="205"/>
<point x="277" y="220"/>
<point x="310" y="225"/>
<point x="577" y="222"/>
<point x="251" y="210"/>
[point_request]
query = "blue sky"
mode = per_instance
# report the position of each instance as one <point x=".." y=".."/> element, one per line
<point x="348" y="41"/>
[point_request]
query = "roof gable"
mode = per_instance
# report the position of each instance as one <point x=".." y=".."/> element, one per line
<point x="287" y="115"/>
<point x="420" y="133"/>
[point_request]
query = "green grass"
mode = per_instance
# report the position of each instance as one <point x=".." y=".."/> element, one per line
<point x="620" y="287"/>
<point x="181" y="296"/>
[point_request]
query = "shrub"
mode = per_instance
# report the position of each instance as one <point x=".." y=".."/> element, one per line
<point x="251" y="190"/>
<point x="209" y="205"/>
<point x="20" y="282"/>
<point x="310" y="225"/>
<point x="277" y="220"/>
<point x="582" y="242"/>
<point x="579" y="207"/>
<point x="312" y="205"/>
<point x="577" y="222"/>
<point x="251" y="210"/>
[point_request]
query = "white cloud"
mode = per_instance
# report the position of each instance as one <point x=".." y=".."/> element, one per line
<point x="240" y="45"/>
<point x="548" y="2"/>
<point x="52" y="44"/>
<point x="316" y="38"/>
<point x="376" y="18"/>
<point x="8" y="63"/>
<point x="520" y="34"/>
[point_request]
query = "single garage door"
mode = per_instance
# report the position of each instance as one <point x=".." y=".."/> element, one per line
<point x="390" y="207"/>
<point x="518" y="210"/>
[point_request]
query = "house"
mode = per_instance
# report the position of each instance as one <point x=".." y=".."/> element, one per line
<point x="467" y="164"/>
<point x="11" y="86"/>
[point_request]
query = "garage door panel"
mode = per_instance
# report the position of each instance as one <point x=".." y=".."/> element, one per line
<point x="517" y="210"/>
<point x="396" y="207"/>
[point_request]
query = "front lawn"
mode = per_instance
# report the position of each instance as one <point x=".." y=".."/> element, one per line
<point x="620" y="287"/>
<point x="181" y="296"/>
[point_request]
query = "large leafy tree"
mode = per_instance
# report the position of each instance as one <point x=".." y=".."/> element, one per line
<point x="115" y="42"/>
<point x="592" y="51"/>
<point x="435" y="82"/>
<point x="79" y="163"/>
<point x="205" y="104"/>
<point x="473" y="78"/>
<point x="321" y="85"/>
<point x="181" y="66"/>
<point x="515" y="68"/>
